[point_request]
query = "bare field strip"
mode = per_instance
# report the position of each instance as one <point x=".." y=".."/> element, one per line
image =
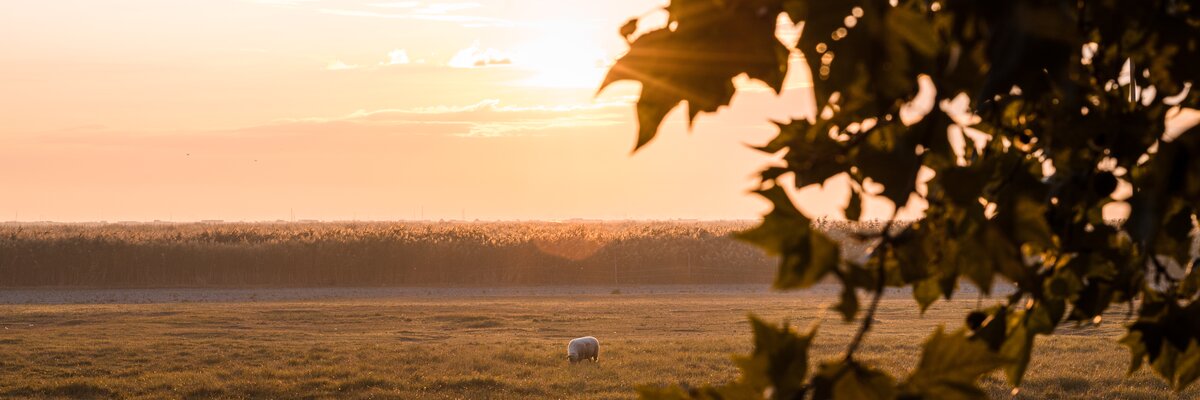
<point x="479" y="344"/>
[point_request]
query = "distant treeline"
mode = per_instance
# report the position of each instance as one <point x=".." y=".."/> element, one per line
<point x="378" y="254"/>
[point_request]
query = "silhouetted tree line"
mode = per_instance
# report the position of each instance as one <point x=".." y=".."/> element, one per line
<point x="378" y="254"/>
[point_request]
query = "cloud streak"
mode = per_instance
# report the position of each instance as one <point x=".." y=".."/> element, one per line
<point x="396" y="4"/>
<point x="338" y="65"/>
<point x="444" y="8"/>
<point x="476" y="56"/>
<point x="484" y="119"/>
<point x="487" y="118"/>
<point x="289" y="3"/>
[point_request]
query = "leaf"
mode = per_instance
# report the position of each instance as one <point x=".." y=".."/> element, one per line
<point x="1044" y="40"/>
<point x="1017" y="347"/>
<point x="1174" y="239"/>
<point x="911" y="251"/>
<point x="651" y="112"/>
<point x="1062" y="285"/>
<point x="1168" y="337"/>
<point x="1093" y="299"/>
<point x="992" y="327"/>
<point x="888" y="156"/>
<point x="1001" y="254"/>
<point x="848" y="306"/>
<point x="910" y="26"/>
<point x="961" y="185"/>
<point x="1045" y="316"/>
<point x="1166" y="364"/>
<point x="854" y="207"/>
<point x="1166" y="189"/>
<point x="867" y="62"/>
<point x="933" y="133"/>
<point x="812" y="154"/>
<point x="797" y="10"/>
<point x="951" y="366"/>
<point x="859" y="275"/>
<point x="1190" y="284"/>
<point x="1187" y="367"/>
<point x="1137" y="349"/>
<point x="983" y="252"/>
<point x="1021" y="208"/>
<point x="806" y="255"/>
<point x="852" y="380"/>
<point x="698" y="59"/>
<point x="926" y="292"/>
<point x="779" y="360"/>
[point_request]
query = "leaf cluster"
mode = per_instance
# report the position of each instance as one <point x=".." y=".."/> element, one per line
<point x="1041" y="114"/>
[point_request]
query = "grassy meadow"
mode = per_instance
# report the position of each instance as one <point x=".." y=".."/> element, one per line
<point x="478" y="344"/>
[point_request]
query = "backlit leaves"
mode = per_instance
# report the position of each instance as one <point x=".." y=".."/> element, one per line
<point x="843" y="379"/>
<point x="848" y="305"/>
<point x="888" y="156"/>
<point x="711" y="43"/>
<point x="779" y="360"/>
<point x="867" y="52"/>
<point x="951" y="366"/>
<point x="776" y="369"/>
<point x="1190" y="284"/>
<point x="854" y="206"/>
<point x="1167" y="336"/>
<point x="1066" y="110"/>
<point x="806" y="255"/>
<point x="809" y="150"/>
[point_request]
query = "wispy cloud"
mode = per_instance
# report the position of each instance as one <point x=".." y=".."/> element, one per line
<point x="484" y="119"/>
<point x="285" y="2"/>
<point x="396" y="4"/>
<point x="443" y="8"/>
<point x="397" y="57"/>
<point x="476" y="56"/>
<point x="487" y="118"/>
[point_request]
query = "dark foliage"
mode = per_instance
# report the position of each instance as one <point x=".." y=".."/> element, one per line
<point x="1065" y="102"/>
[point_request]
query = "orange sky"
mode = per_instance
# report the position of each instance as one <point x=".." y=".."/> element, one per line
<point x="353" y="109"/>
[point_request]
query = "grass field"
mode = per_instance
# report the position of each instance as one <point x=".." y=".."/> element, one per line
<point x="478" y="344"/>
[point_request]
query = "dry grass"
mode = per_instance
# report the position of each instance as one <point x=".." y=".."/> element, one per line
<point x="379" y="254"/>
<point x="506" y="346"/>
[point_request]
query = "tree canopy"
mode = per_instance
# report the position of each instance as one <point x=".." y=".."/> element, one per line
<point x="1043" y="113"/>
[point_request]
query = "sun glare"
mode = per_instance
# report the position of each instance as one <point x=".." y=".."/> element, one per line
<point x="563" y="62"/>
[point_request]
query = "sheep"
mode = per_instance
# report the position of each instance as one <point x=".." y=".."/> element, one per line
<point x="584" y="348"/>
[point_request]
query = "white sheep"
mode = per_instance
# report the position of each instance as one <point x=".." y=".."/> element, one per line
<point x="584" y="348"/>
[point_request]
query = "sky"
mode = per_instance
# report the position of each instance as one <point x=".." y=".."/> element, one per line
<point x="356" y="110"/>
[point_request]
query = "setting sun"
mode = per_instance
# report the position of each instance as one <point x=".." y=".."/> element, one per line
<point x="563" y="61"/>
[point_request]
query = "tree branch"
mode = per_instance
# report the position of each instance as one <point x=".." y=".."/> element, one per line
<point x="885" y="245"/>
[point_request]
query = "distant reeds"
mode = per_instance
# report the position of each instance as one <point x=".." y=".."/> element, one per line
<point x="378" y="254"/>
